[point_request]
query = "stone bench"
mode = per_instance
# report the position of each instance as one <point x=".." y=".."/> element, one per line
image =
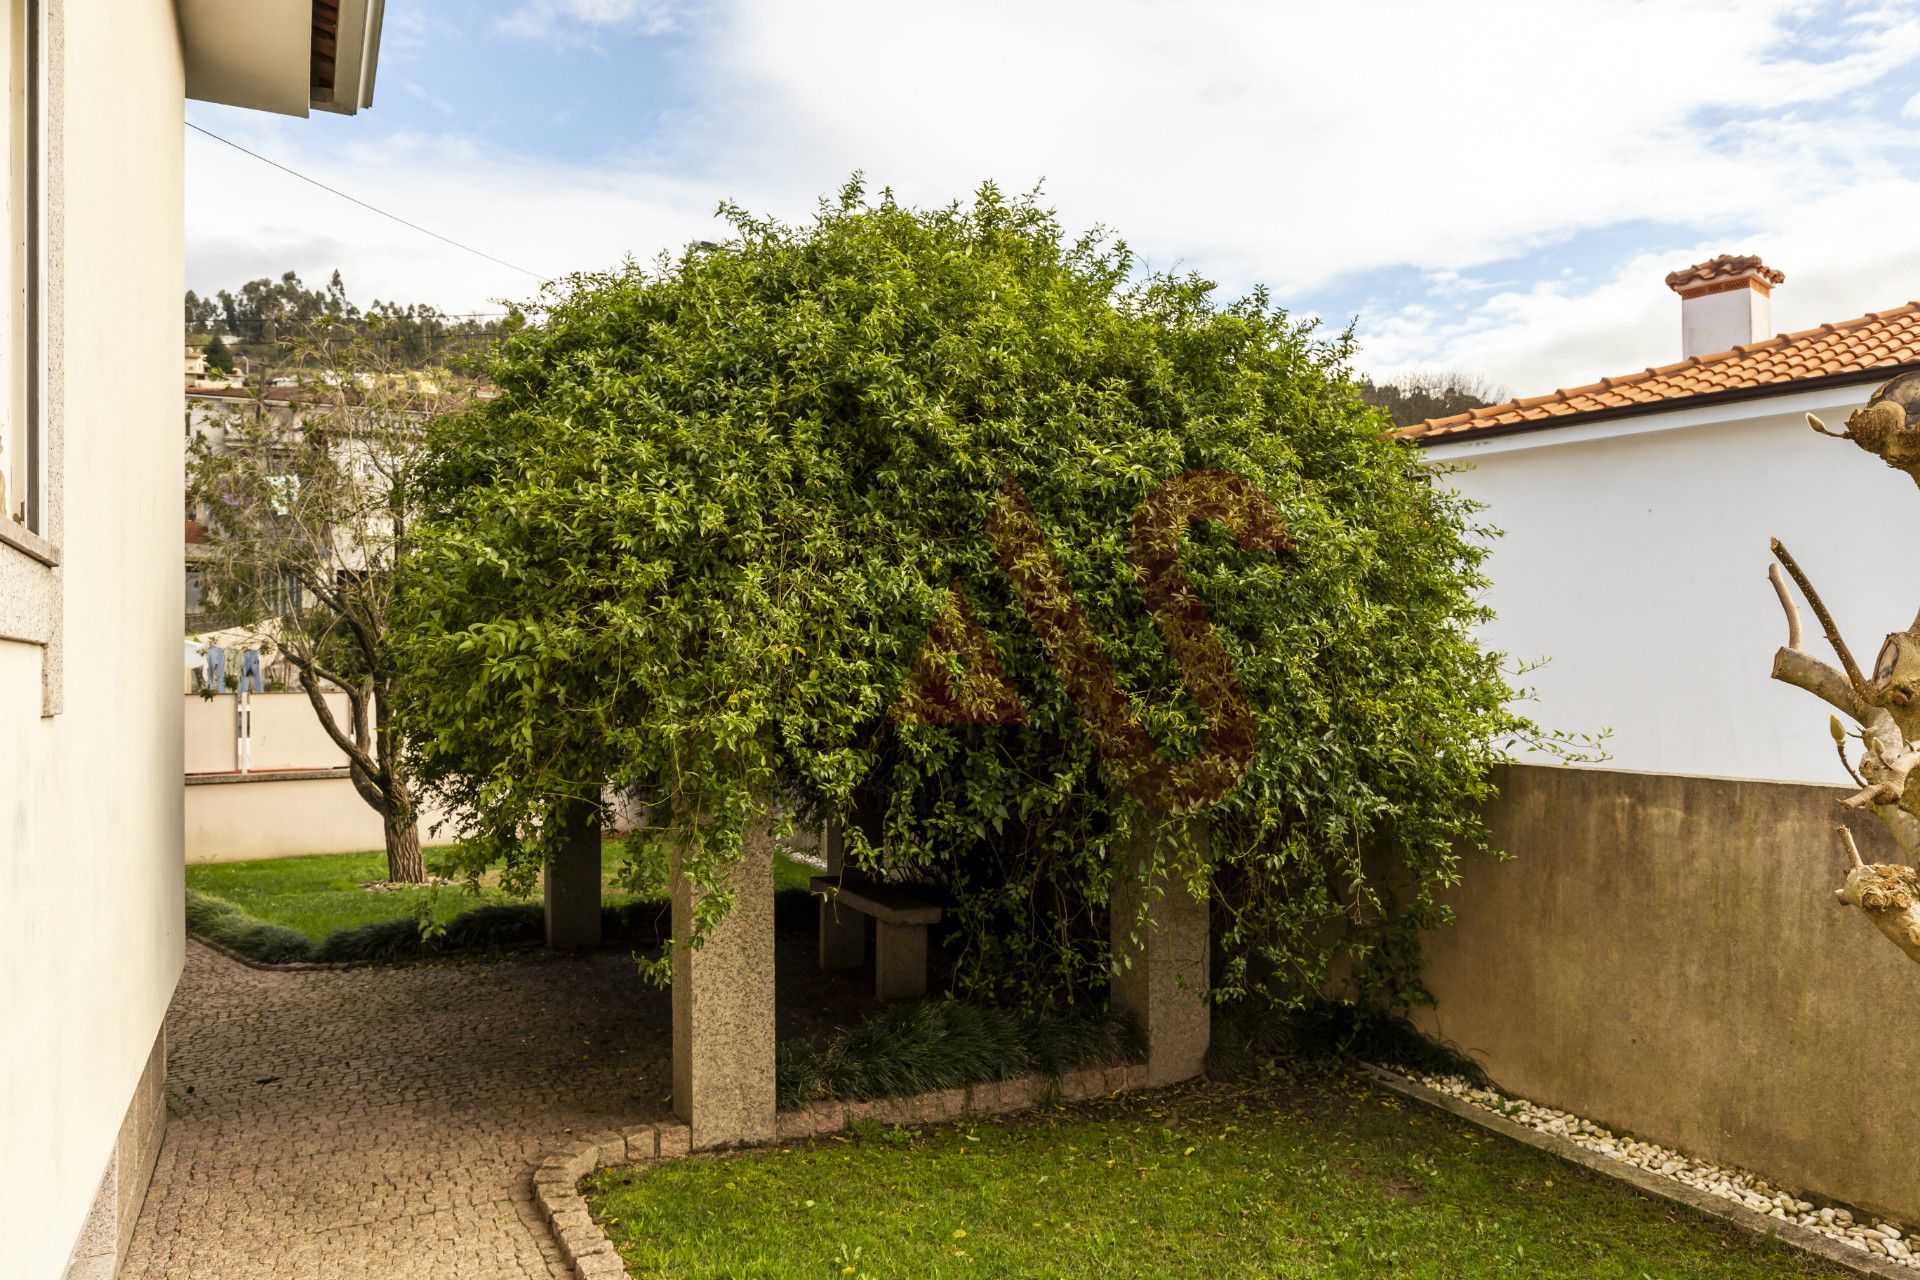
<point x="900" y="921"/>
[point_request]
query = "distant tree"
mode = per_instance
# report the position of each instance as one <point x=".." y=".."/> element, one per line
<point x="282" y="313"/>
<point x="311" y="505"/>
<point x="1416" y="397"/>
<point x="219" y="358"/>
<point x="202" y="313"/>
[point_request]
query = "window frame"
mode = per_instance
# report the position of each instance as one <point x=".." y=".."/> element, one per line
<point x="31" y="610"/>
<point x="35" y="538"/>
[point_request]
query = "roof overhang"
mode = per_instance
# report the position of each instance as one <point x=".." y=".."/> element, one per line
<point x="1563" y="427"/>
<point x="285" y="56"/>
<point x="1832" y="398"/>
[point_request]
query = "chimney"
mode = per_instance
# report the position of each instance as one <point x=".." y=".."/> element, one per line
<point x="1724" y="303"/>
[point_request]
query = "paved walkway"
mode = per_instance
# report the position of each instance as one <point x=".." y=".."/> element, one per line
<point x="384" y="1122"/>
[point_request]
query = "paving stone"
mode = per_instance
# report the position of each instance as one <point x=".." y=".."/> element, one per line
<point x="390" y="1121"/>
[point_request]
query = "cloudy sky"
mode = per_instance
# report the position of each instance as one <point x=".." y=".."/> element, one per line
<point x="1489" y="186"/>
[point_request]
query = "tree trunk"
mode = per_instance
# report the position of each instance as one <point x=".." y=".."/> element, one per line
<point x="405" y="864"/>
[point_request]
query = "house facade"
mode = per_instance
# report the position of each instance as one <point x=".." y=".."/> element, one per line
<point x="90" y="580"/>
<point x="1663" y="953"/>
<point x="1636" y="514"/>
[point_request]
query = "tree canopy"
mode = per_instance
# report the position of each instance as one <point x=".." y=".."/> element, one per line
<point x="1416" y="397"/>
<point x="696" y="543"/>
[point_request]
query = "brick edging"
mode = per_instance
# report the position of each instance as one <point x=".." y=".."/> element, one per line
<point x="1789" y="1233"/>
<point x="556" y="1181"/>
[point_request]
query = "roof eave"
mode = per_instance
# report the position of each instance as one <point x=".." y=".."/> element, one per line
<point x="261" y="54"/>
<point x="1642" y="409"/>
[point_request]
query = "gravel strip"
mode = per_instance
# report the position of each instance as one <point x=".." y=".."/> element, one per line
<point x="1885" y="1239"/>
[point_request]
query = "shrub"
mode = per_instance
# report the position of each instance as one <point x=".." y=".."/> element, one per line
<point x="915" y="1048"/>
<point x="642" y="924"/>
<point x="226" y="924"/>
<point x="695" y="544"/>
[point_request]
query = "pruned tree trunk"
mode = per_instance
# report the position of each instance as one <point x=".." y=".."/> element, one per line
<point x="1884" y="705"/>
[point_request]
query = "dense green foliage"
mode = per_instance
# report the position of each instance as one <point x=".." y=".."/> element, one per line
<point x="917" y="1048"/>
<point x="1327" y="1180"/>
<point x="694" y="545"/>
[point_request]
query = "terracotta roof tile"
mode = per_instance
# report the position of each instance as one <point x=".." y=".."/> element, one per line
<point x="1877" y="340"/>
<point x="1725" y="267"/>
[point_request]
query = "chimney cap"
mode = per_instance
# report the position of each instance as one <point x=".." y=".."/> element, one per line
<point x="1725" y="271"/>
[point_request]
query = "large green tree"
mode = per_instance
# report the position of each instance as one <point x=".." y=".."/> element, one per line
<point x="695" y="544"/>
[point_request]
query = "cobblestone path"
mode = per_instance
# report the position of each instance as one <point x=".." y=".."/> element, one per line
<point x="384" y="1122"/>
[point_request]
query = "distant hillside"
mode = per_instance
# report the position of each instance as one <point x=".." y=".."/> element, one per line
<point x="269" y="317"/>
<point x="1415" y="397"/>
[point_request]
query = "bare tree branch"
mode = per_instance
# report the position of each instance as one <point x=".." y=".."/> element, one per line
<point x="1852" y="668"/>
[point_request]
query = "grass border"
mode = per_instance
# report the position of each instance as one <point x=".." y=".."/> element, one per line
<point x="585" y="1247"/>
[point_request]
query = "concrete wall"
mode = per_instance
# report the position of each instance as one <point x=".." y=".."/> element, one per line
<point x="1664" y="955"/>
<point x="1635" y="559"/>
<point x="232" y="818"/>
<point x="286" y="733"/>
<point x="236" y="819"/>
<point x="90" y="802"/>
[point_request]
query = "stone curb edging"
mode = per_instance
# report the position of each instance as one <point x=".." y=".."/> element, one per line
<point x="556" y="1182"/>
<point x="267" y="966"/>
<point x="1805" y="1239"/>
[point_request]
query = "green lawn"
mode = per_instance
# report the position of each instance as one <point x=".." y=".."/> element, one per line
<point x="1329" y="1180"/>
<point x="318" y="894"/>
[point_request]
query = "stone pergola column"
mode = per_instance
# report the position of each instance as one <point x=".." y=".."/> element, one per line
<point x="843" y="932"/>
<point x="572" y="883"/>
<point x="723" y="1085"/>
<point x="1163" y="976"/>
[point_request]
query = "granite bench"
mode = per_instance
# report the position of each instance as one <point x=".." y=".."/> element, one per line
<point x="900" y="921"/>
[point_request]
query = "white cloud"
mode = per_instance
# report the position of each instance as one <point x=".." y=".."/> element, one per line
<point x="1845" y="253"/>
<point x="578" y="21"/>
<point x="1255" y="142"/>
<point x="415" y="89"/>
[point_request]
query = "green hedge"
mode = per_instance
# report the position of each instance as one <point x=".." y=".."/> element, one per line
<point x="916" y="1048"/>
<point x="643" y="924"/>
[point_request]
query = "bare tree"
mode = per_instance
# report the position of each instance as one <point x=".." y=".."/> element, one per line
<point x="309" y="493"/>
<point x="1884" y="705"/>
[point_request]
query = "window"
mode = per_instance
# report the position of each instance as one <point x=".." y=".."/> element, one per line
<point x="23" y="464"/>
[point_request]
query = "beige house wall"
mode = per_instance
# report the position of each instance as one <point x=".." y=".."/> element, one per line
<point x="90" y="803"/>
<point x="1664" y="955"/>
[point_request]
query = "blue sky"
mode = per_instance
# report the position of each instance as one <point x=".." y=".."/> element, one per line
<point x="1494" y="186"/>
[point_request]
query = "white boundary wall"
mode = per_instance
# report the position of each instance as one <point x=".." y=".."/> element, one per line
<point x="1634" y="557"/>
<point x="279" y="809"/>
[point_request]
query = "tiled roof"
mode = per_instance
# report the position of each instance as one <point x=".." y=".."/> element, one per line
<point x="1725" y="267"/>
<point x="1881" y="340"/>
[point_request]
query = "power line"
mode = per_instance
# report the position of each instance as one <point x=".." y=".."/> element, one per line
<point x="364" y="205"/>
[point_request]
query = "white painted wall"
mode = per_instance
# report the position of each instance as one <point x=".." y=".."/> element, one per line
<point x="286" y="733"/>
<point x="90" y="805"/>
<point x="271" y="817"/>
<point x="1635" y="558"/>
<point x="277" y="818"/>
